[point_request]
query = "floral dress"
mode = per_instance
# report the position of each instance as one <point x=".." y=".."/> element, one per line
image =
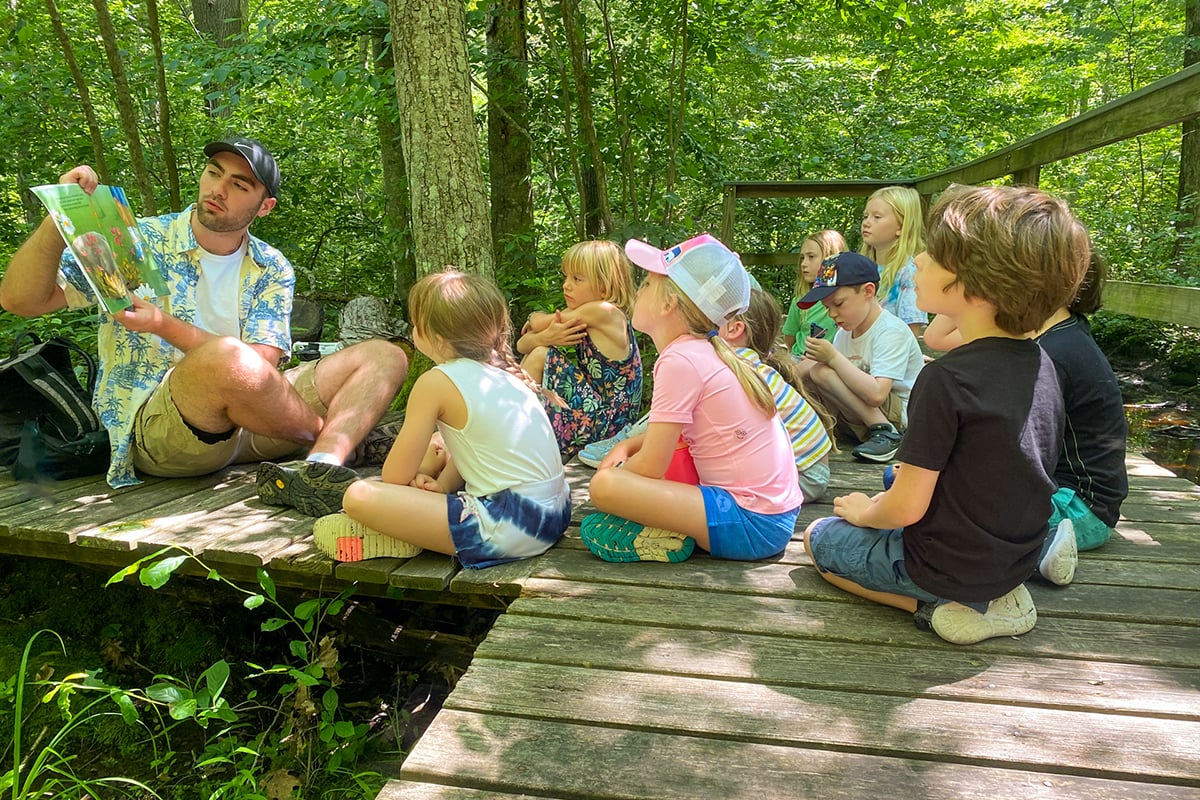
<point x="602" y="395"/>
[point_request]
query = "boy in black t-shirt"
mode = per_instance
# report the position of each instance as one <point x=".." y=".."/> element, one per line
<point x="962" y="526"/>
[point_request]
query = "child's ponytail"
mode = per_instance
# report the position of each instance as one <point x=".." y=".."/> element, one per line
<point x="700" y="325"/>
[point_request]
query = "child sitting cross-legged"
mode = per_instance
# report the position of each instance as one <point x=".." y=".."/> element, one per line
<point x="961" y="528"/>
<point x="864" y="375"/>
<point x="746" y="503"/>
<point x="496" y="492"/>
<point x="753" y="336"/>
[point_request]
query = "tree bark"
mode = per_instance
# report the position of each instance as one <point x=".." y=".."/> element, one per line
<point x="397" y="234"/>
<point x="130" y="122"/>
<point x="447" y="197"/>
<point x="1189" y="149"/>
<point x="164" y="107"/>
<point x="676" y="119"/>
<point x="221" y="21"/>
<point x="600" y="219"/>
<point x="509" y="151"/>
<point x="85" y="97"/>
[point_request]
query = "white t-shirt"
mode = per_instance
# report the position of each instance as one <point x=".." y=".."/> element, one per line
<point x="217" y="296"/>
<point x="887" y="349"/>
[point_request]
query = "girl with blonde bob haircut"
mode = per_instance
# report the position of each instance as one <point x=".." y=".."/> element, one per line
<point x="585" y="354"/>
<point x="746" y="503"/>
<point x="499" y="493"/>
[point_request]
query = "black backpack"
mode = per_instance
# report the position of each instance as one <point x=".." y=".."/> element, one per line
<point x="47" y="426"/>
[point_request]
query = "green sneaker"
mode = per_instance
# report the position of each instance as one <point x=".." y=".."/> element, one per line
<point x="310" y="487"/>
<point x="615" y="539"/>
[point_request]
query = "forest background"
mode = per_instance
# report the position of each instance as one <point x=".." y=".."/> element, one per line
<point x="417" y="133"/>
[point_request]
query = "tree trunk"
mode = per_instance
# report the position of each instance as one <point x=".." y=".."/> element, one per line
<point x="675" y="122"/>
<point x="85" y="97"/>
<point x="130" y="123"/>
<point x="220" y="21"/>
<point x="509" y="154"/>
<point x="601" y="220"/>
<point x="508" y="143"/>
<point x="164" y="107"/>
<point x="397" y="235"/>
<point x="568" y="138"/>
<point x="1189" y="151"/>
<point x="629" y="192"/>
<point x="447" y="197"/>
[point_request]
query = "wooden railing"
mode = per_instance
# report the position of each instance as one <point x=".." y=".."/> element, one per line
<point x="1169" y="101"/>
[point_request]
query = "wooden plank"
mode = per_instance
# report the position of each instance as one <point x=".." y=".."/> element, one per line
<point x="847" y="619"/>
<point x="1179" y="305"/>
<point x="407" y="790"/>
<point x="504" y="580"/>
<point x="885" y="668"/>
<point x="425" y="571"/>
<point x="508" y="755"/>
<point x="1075" y="742"/>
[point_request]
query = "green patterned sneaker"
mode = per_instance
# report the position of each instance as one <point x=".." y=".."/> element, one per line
<point x="310" y="487"/>
<point x="615" y="539"/>
<point x="345" y="539"/>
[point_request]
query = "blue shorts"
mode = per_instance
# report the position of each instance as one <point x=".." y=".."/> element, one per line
<point x="508" y="525"/>
<point x="871" y="558"/>
<point x="740" y="535"/>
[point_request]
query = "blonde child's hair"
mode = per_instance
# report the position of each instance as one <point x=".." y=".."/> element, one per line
<point x="468" y="312"/>
<point x="699" y="324"/>
<point x="605" y="266"/>
<point x="763" y="321"/>
<point x="906" y="204"/>
<point x="831" y="243"/>
<point x="1015" y="247"/>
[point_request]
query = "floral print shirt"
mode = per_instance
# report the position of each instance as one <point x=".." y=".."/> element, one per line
<point x="133" y="364"/>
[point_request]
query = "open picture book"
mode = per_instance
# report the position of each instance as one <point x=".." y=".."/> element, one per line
<point x="104" y="236"/>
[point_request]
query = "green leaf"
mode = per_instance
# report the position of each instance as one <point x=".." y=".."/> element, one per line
<point x="216" y="676"/>
<point x="254" y="601"/>
<point x="185" y="709"/>
<point x="128" y="709"/>
<point x="273" y="624"/>
<point x="308" y="608"/>
<point x="165" y="693"/>
<point x="299" y="649"/>
<point x="330" y="700"/>
<point x="268" y="585"/>
<point x="157" y="574"/>
<point x="344" y="729"/>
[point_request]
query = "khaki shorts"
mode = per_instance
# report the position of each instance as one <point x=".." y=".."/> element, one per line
<point x="164" y="445"/>
<point x="893" y="409"/>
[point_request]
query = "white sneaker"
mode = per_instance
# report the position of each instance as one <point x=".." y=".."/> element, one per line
<point x="1010" y="615"/>
<point x="595" y="452"/>
<point x="1060" y="555"/>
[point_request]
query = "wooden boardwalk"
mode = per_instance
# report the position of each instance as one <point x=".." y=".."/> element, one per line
<point x="713" y="679"/>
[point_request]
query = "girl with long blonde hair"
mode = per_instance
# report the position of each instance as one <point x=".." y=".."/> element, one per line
<point x="893" y="234"/>
<point x="746" y="503"/>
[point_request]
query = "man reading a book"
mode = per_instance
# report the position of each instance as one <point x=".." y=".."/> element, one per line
<point x="189" y="382"/>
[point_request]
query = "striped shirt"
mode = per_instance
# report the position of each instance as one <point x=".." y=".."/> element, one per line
<point x="809" y="440"/>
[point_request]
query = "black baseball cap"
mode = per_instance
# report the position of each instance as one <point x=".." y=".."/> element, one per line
<point x="261" y="162"/>
<point x="844" y="269"/>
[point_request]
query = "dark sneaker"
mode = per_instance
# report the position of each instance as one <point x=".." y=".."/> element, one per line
<point x="615" y="539"/>
<point x="1060" y="555"/>
<point x="310" y="487"/>
<point x="373" y="450"/>
<point x="1010" y="615"/>
<point x="881" y="445"/>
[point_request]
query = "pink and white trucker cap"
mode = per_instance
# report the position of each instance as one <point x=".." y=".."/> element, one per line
<point x="706" y="271"/>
